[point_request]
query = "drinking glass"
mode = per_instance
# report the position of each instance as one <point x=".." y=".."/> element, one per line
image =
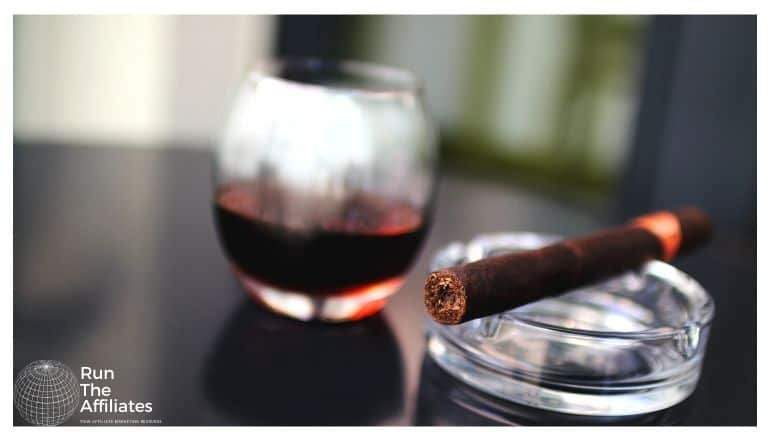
<point x="324" y="181"/>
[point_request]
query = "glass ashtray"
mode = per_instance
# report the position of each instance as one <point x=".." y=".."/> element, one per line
<point x="632" y="344"/>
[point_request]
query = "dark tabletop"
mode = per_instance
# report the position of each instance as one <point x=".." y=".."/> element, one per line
<point x="117" y="266"/>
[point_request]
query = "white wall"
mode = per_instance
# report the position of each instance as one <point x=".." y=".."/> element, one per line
<point x="136" y="80"/>
<point x="434" y="47"/>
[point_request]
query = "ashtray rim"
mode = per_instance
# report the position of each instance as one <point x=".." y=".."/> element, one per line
<point x="473" y="250"/>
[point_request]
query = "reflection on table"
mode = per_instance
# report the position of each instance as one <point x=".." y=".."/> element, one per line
<point x="270" y="370"/>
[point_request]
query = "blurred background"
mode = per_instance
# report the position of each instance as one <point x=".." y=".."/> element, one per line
<point x="602" y="112"/>
<point x="531" y="94"/>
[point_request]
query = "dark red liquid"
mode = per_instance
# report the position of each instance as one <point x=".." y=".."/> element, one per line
<point x="371" y="241"/>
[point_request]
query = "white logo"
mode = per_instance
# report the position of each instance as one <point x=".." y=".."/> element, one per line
<point x="46" y="393"/>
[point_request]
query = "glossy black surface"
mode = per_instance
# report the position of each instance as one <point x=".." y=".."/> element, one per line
<point x="117" y="265"/>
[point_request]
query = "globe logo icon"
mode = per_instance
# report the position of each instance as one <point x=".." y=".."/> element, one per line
<point x="46" y="393"/>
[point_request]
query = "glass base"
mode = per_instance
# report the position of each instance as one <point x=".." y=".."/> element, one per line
<point x="559" y="397"/>
<point x="350" y="305"/>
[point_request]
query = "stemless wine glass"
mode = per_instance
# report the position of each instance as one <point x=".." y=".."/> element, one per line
<point x="324" y="185"/>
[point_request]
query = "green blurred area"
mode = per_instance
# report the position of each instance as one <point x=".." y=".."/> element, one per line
<point x="547" y="101"/>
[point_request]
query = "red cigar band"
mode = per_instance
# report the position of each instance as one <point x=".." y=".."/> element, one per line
<point x="665" y="226"/>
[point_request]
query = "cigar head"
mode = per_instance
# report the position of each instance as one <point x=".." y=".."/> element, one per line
<point x="445" y="298"/>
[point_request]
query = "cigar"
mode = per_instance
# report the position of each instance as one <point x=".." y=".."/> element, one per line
<point x="503" y="282"/>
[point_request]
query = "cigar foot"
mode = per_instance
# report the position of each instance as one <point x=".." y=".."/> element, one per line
<point x="445" y="297"/>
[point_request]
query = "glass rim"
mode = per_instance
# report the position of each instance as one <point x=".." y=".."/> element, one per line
<point x="391" y="80"/>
